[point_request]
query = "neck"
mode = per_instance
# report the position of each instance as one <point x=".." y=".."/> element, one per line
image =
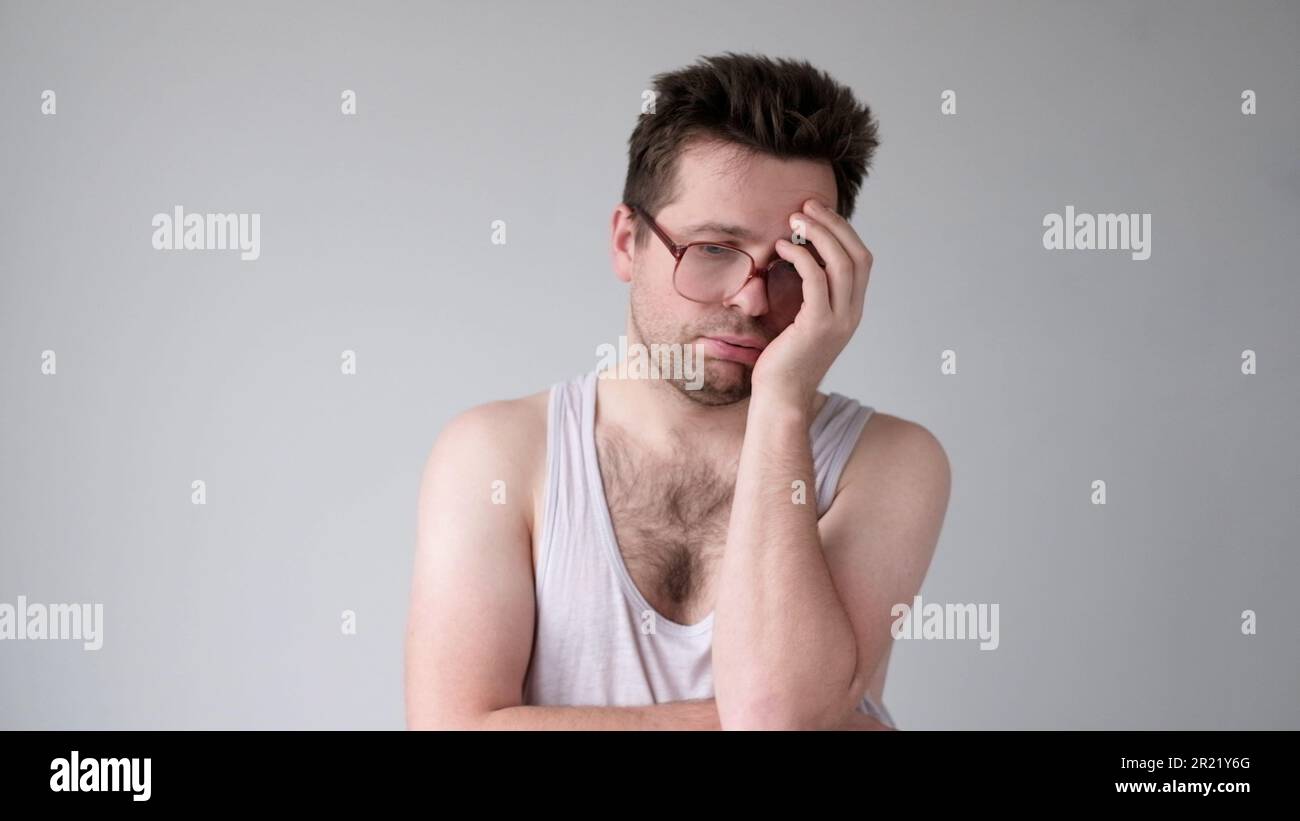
<point x="656" y="413"/>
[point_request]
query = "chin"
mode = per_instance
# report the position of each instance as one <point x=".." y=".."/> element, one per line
<point x="725" y="383"/>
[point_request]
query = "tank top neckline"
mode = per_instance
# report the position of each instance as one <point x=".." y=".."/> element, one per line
<point x="605" y="523"/>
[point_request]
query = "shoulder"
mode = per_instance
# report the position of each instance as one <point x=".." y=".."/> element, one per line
<point x="498" y="441"/>
<point x="891" y="442"/>
<point x="898" y="472"/>
<point x="505" y="429"/>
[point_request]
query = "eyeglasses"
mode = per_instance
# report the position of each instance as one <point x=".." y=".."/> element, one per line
<point x="714" y="272"/>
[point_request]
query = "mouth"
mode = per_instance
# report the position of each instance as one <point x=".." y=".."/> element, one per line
<point x="742" y="349"/>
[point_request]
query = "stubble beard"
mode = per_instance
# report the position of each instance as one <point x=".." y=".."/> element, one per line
<point x="724" y="383"/>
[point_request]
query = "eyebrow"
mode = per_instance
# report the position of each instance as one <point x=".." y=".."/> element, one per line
<point x="738" y="231"/>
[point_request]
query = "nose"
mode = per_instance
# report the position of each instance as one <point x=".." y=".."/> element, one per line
<point x="752" y="298"/>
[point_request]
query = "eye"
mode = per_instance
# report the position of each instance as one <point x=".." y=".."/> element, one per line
<point x="715" y="250"/>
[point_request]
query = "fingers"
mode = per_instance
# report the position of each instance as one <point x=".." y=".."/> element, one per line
<point x="816" y="290"/>
<point x="839" y="267"/>
<point x="849" y="243"/>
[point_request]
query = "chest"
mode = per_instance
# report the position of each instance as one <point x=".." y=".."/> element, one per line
<point x="670" y="517"/>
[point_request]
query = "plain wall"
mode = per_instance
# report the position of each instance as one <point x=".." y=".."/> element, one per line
<point x="376" y="238"/>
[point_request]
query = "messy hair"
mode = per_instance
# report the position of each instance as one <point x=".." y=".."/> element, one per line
<point x="780" y="107"/>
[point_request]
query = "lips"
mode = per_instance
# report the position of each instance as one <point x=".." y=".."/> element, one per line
<point x="742" y="349"/>
<point x="741" y="341"/>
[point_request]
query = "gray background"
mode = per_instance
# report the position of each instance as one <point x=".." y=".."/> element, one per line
<point x="175" y="366"/>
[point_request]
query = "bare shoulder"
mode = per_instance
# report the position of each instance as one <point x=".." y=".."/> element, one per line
<point x="506" y="430"/>
<point x="500" y="441"/>
<point x="892" y="443"/>
<point x="900" y="471"/>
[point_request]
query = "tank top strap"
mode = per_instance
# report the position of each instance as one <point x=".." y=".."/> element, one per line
<point x="567" y="503"/>
<point x="834" y="434"/>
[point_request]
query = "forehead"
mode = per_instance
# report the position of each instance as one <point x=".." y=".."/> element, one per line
<point x="724" y="183"/>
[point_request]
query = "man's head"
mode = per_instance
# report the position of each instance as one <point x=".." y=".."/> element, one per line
<point x="741" y="141"/>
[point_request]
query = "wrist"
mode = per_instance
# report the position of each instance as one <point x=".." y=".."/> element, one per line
<point x="774" y="408"/>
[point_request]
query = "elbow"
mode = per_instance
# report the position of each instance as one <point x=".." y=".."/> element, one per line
<point x="447" y="722"/>
<point x="432" y="714"/>
<point x="789" y="710"/>
<point x="774" y="712"/>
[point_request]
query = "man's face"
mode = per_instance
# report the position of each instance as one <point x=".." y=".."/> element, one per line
<point x="755" y="194"/>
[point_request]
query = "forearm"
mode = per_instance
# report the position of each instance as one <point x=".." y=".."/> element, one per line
<point x="701" y="714"/>
<point x="784" y="652"/>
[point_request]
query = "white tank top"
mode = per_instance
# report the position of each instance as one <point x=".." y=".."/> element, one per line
<point x="597" y="641"/>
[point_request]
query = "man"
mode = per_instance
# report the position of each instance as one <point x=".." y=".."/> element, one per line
<point x="651" y="553"/>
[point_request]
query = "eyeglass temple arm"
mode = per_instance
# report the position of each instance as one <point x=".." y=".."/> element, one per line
<point x="674" y="248"/>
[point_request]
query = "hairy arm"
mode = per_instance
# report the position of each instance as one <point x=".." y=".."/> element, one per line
<point x="803" y="618"/>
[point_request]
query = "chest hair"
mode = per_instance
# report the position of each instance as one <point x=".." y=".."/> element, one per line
<point x="670" y="520"/>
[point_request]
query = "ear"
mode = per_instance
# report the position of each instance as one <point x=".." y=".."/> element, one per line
<point x="623" y="242"/>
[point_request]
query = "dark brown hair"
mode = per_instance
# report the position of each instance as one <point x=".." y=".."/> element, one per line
<point x="781" y="107"/>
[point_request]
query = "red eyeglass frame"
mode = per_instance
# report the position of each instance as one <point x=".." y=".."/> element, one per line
<point x="679" y="251"/>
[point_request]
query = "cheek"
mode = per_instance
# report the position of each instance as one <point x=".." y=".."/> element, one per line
<point x="660" y="313"/>
<point x="653" y="293"/>
<point x="656" y="283"/>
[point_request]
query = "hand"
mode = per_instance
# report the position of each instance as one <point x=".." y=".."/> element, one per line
<point x="792" y="366"/>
